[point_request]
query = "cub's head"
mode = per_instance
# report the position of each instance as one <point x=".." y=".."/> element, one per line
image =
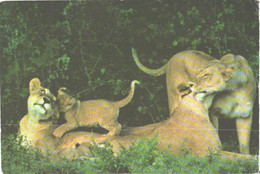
<point x="41" y="101"/>
<point x="211" y="79"/>
<point x="65" y="101"/>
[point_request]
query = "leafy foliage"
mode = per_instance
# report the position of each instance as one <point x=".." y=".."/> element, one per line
<point x="20" y="159"/>
<point x="142" y="157"/>
<point x="86" y="46"/>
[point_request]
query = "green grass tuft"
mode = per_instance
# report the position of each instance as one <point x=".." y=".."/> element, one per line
<point x="142" y="157"/>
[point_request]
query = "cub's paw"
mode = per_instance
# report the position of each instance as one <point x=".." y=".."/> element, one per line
<point x="115" y="130"/>
<point x="57" y="133"/>
<point x="110" y="134"/>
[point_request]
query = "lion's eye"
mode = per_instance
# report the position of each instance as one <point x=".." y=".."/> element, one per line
<point x="43" y="91"/>
<point x="206" y="76"/>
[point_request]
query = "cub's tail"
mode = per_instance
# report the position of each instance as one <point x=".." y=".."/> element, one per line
<point x="126" y="100"/>
<point x="153" y="72"/>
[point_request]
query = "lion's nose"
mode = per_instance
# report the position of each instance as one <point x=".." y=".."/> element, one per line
<point x="191" y="84"/>
<point x="46" y="100"/>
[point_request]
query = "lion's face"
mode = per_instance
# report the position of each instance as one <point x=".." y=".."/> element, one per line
<point x="40" y="101"/>
<point x="65" y="101"/>
<point x="210" y="80"/>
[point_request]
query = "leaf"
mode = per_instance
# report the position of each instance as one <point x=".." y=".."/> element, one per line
<point x="102" y="70"/>
<point x="140" y="108"/>
<point x="150" y="61"/>
<point x="175" y="43"/>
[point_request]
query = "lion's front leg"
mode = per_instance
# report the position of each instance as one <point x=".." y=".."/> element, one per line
<point x="214" y="121"/>
<point x="58" y="132"/>
<point x="243" y="126"/>
<point x="113" y="127"/>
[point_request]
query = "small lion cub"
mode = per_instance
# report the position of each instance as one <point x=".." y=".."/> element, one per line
<point x="91" y="112"/>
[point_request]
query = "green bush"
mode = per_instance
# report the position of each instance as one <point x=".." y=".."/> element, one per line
<point x="19" y="159"/>
<point x="142" y="157"/>
<point x="86" y="46"/>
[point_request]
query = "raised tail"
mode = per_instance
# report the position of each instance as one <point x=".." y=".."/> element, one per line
<point x="153" y="72"/>
<point x="126" y="100"/>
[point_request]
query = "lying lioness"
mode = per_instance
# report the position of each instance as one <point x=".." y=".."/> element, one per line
<point x="37" y="125"/>
<point x="190" y="68"/>
<point x="40" y="112"/>
<point x="189" y="127"/>
<point x="91" y="112"/>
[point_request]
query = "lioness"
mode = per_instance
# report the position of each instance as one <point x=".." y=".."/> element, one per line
<point x="40" y="110"/>
<point x="237" y="99"/>
<point x="37" y="126"/>
<point x="190" y="68"/>
<point x="189" y="127"/>
<point x="91" y="113"/>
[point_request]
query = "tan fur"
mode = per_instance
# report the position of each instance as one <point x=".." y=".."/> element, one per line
<point x="190" y="68"/>
<point x="37" y="126"/>
<point x="91" y="113"/>
<point x="237" y="100"/>
<point x="188" y="128"/>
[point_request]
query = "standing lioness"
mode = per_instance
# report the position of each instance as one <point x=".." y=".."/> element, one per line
<point x="237" y="100"/>
<point x="190" y="68"/>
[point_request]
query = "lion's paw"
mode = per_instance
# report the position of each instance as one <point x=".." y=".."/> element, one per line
<point x="57" y="133"/>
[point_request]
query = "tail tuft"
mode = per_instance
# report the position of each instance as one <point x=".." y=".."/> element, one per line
<point x="136" y="82"/>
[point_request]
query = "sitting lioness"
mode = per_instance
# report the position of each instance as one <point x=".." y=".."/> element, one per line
<point x="37" y="125"/>
<point x="91" y="113"/>
<point x="190" y="68"/>
<point x="236" y="100"/>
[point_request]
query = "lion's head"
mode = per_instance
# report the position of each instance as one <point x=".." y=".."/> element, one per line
<point x="65" y="101"/>
<point x="211" y="79"/>
<point x="40" y="101"/>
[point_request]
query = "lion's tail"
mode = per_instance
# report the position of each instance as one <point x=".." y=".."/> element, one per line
<point x="126" y="100"/>
<point x="236" y="156"/>
<point x="153" y="72"/>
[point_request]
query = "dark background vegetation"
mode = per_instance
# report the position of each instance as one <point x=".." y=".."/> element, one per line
<point x="86" y="46"/>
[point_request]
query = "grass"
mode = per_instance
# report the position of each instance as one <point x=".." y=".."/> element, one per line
<point x="142" y="157"/>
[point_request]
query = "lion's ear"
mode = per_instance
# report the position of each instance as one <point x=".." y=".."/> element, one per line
<point x="184" y="88"/>
<point x="62" y="90"/>
<point x="228" y="59"/>
<point x="229" y="71"/>
<point x="35" y="83"/>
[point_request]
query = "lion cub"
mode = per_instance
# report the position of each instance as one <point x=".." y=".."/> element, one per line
<point x="91" y="113"/>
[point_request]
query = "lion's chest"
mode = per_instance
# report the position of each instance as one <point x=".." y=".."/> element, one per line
<point x="232" y="104"/>
<point x="38" y="134"/>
